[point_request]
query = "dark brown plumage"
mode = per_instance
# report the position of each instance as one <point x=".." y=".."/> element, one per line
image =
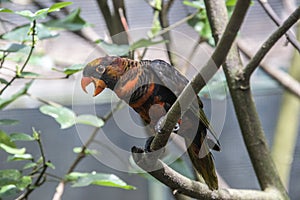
<point x="150" y="88"/>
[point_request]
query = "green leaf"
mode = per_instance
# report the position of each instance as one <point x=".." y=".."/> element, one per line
<point x="29" y="165"/>
<point x="24" y="182"/>
<point x="12" y="150"/>
<point x="12" y="181"/>
<point x="73" y="69"/>
<point x="26" y="13"/>
<point x="5" y="139"/>
<point x="231" y="2"/>
<point x="19" y="157"/>
<point x="20" y="33"/>
<point x="12" y="47"/>
<point x="41" y="14"/>
<point x="156" y="27"/>
<point x="3" y="81"/>
<point x="72" y="22"/>
<point x="58" y="6"/>
<point x="145" y="43"/>
<point x="9" y="176"/>
<point x="114" y="49"/>
<point x="8" y="122"/>
<point x="35" y="134"/>
<point x="49" y="164"/>
<point x="23" y="91"/>
<point x="6" y="10"/>
<point x="20" y="137"/>
<point x="64" y="116"/>
<point x="87" y="151"/>
<point x="8" y="190"/>
<point x="91" y="120"/>
<point x="28" y="74"/>
<point x="100" y="179"/>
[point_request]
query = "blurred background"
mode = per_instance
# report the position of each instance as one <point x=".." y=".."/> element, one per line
<point x="75" y="44"/>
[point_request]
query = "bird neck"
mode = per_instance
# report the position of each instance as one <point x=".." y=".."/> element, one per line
<point x="129" y="64"/>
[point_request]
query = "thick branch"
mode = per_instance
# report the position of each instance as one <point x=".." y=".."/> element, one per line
<point x="113" y="21"/>
<point x="271" y="13"/>
<point x="217" y="15"/>
<point x="249" y="122"/>
<point x="164" y="22"/>
<point x="267" y="45"/>
<point x="203" y="76"/>
<point x="181" y="184"/>
<point x="284" y="79"/>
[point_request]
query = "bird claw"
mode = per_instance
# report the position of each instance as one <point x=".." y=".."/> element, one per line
<point x="148" y="144"/>
<point x="159" y="125"/>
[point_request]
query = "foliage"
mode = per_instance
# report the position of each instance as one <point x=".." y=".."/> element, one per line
<point x="20" y="41"/>
<point x="33" y="173"/>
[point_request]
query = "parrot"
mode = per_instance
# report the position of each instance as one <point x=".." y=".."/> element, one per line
<point x="150" y="87"/>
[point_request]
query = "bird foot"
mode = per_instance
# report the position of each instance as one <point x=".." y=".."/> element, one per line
<point x="148" y="144"/>
<point x="159" y="125"/>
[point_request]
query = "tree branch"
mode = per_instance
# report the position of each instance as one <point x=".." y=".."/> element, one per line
<point x="248" y="119"/>
<point x="33" y="34"/>
<point x="164" y="22"/>
<point x="81" y="155"/>
<point x="203" y="76"/>
<point x="267" y="45"/>
<point x="284" y="79"/>
<point x="183" y="185"/>
<point x="271" y="13"/>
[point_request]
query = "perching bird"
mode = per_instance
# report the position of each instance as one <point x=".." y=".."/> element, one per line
<point x="150" y="88"/>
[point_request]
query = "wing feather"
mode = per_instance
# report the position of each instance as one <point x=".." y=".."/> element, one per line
<point x="176" y="82"/>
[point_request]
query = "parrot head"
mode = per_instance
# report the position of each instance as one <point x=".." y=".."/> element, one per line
<point x="103" y="72"/>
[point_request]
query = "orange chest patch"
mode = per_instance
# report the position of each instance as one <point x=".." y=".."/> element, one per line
<point x="145" y="97"/>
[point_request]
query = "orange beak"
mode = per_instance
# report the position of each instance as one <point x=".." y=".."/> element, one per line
<point x="99" y="84"/>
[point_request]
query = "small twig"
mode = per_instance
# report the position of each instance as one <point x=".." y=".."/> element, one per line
<point x="176" y="24"/>
<point x="81" y="155"/>
<point x="268" y="44"/>
<point x="124" y="23"/>
<point x="43" y="77"/>
<point x="126" y="28"/>
<point x="33" y="34"/>
<point x="5" y="54"/>
<point x="40" y="179"/>
<point x="284" y="79"/>
<point x="47" y="102"/>
<point x="169" y="28"/>
<point x="164" y="22"/>
<point x="34" y="77"/>
<point x="271" y="13"/>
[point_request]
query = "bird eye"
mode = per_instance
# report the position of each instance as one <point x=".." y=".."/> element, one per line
<point x="100" y="69"/>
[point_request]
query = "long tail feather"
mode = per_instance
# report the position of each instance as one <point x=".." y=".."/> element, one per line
<point x="204" y="166"/>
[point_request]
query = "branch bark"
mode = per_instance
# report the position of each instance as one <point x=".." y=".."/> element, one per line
<point x="248" y="118"/>
<point x="164" y="23"/>
<point x="284" y="79"/>
<point x="271" y="13"/>
<point x="183" y="185"/>
<point x="268" y="44"/>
